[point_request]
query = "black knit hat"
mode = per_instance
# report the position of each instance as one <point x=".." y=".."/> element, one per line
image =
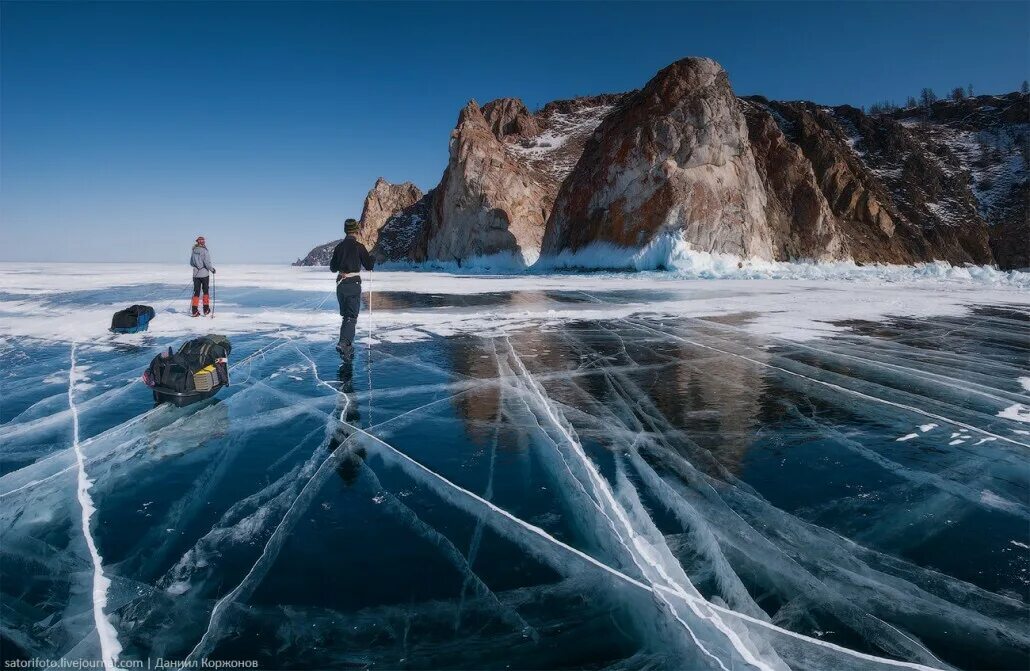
<point x="350" y="226"/>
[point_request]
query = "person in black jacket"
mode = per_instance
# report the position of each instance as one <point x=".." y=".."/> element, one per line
<point x="349" y="257"/>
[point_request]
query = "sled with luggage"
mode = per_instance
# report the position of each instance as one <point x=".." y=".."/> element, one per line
<point x="133" y="319"/>
<point x="196" y="372"/>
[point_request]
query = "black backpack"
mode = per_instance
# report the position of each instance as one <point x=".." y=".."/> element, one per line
<point x="205" y="351"/>
<point x="174" y="371"/>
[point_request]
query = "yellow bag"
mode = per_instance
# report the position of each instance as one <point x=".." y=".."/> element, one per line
<point x="205" y="379"/>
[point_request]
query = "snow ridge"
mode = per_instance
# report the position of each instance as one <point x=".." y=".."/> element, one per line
<point x="109" y="646"/>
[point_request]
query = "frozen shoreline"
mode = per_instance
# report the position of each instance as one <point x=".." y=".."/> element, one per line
<point x="299" y="302"/>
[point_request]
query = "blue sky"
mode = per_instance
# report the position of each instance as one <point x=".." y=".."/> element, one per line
<point x="126" y="129"/>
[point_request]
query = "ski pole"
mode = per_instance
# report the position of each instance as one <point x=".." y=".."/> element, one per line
<point x="368" y="363"/>
<point x="213" y="294"/>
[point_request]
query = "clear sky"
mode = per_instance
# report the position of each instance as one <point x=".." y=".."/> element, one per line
<point x="126" y="129"/>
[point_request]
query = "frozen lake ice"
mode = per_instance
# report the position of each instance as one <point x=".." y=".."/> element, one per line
<point x="616" y="471"/>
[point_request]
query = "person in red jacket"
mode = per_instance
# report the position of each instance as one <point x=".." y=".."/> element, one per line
<point x="349" y="257"/>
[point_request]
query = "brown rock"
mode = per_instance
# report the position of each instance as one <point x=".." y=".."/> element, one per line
<point x="750" y="177"/>
<point x="382" y="202"/>
<point x="509" y="117"/>
<point x="858" y="201"/>
<point x="403" y="237"/>
<point x="564" y="128"/>
<point x="800" y="221"/>
<point x="674" y="156"/>
<point x="487" y="202"/>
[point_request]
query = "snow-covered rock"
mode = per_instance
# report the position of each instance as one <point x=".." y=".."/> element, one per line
<point x="985" y="142"/>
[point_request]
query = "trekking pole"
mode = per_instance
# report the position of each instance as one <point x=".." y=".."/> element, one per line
<point x="370" y="311"/>
<point x="368" y="362"/>
<point x="213" y="294"/>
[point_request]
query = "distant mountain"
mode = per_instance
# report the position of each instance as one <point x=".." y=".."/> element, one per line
<point x="747" y="176"/>
<point x="319" y="256"/>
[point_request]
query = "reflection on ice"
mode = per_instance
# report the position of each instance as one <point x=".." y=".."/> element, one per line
<point x="621" y="491"/>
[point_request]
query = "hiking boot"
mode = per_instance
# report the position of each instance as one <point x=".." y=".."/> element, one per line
<point x="207" y="310"/>
<point x="194" y="312"/>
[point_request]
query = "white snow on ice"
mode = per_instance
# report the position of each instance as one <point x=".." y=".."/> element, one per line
<point x="784" y="299"/>
<point x="1017" y="413"/>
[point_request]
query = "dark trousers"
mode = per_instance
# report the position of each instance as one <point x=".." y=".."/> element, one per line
<point x="199" y="284"/>
<point x="348" y="293"/>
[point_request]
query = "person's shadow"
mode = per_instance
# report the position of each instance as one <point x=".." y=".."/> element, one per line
<point x="348" y="416"/>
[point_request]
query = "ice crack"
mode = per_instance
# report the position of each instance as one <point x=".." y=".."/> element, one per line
<point x="109" y="646"/>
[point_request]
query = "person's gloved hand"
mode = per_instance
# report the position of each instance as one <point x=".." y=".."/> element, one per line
<point x="213" y="271"/>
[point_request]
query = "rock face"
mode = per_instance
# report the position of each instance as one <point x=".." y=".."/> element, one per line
<point x="674" y="157"/>
<point x="982" y="146"/>
<point x="799" y="218"/>
<point x="564" y="128"/>
<point x="486" y="202"/>
<point x="504" y="170"/>
<point x="403" y="236"/>
<point x="751" y="177"/>
<point x="832" y="183"/>
<point x="382" y="202"/>
<point x="509" y="118"/>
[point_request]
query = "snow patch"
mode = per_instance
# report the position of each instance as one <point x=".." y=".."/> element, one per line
<point x="543" y="151"/>
<point x="1017" y="413"/>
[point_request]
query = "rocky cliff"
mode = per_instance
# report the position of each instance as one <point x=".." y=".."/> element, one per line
<point x="487" y="202"/>
<point x="982" y="147"/>
<point x="382" y="202"/>
<point x="674" y="157"/>
<point x="751" y="177"/>
<point x="504" y="171"/>
<point x="404" y="235"/>
<point x="832" y="183"/>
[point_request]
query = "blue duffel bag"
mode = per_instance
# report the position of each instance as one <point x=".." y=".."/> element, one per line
<point x="133" y="319"/>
